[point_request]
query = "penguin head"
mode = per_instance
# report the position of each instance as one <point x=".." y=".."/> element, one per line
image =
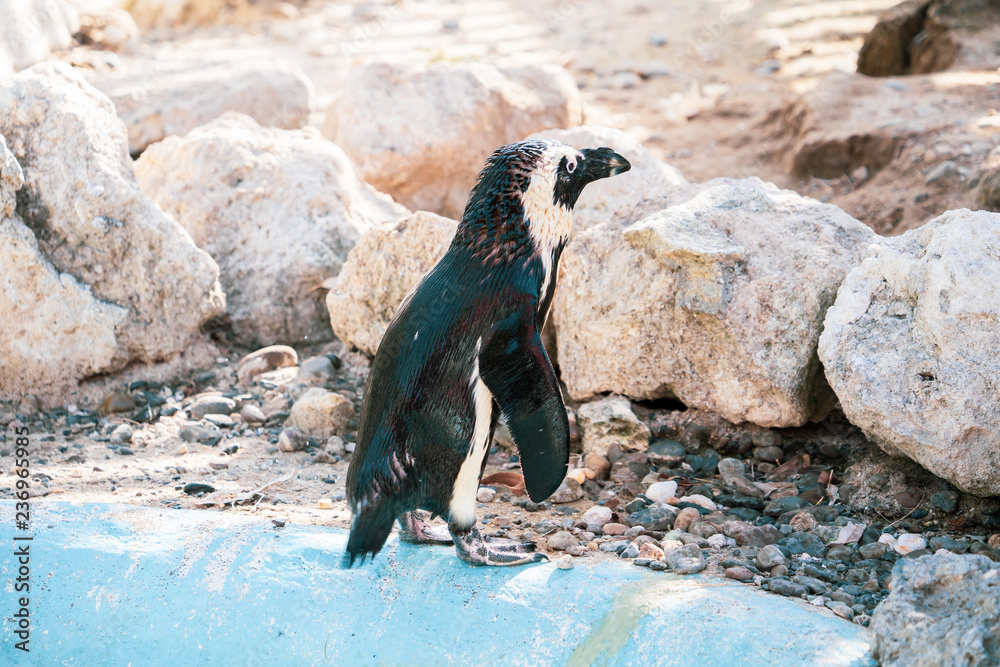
<point x="524" y="196"/>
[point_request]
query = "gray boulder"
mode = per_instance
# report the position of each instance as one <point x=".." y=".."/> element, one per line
<point x="912" y="347"/>
<point x="943" y="611"/>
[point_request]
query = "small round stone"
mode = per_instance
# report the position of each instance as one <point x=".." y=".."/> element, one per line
<point x="739" y="573"/>
<point x="597" y="515"/>
<point x="660" y="492"/>
<point x="121" y="434"/>
<point x="770" y="557"/>
<point x="565" y="562"/>
<point x="802" y="522"/>
<point x="686" y="517"/>
<point x="614" y="528"/>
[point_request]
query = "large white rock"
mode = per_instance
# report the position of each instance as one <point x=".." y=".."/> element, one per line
<point x="31" y="29"/>
<point x="157" y="101"/>
<point x="714" y="294"/>
<point x="422" y="132"/>
<point x="95" y="275"/>
<point x="279" y="209"/>
<point x="380" y="271"/>
<point x="649" y="176"/>
<point x="912" y="347"/>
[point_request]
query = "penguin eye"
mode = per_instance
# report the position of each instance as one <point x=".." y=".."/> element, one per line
<point x="571" y="166"/>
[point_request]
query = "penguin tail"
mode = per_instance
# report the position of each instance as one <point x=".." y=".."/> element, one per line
<point x="370" y="528"/>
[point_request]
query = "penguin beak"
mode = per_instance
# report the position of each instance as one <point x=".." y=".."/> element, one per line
<point x="603" y="163"/>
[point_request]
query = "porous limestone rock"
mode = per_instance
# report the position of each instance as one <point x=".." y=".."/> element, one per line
<point x="714" y="295"/>
<point x="11" y="180"/>
<point x="279" y="209"/>
<point x="608" y="422"/>
<point x="423" y="132"/>
<point x="912" y="347"/>
<point x="381" y="269"/>
<point x="104" y="278"/>
<point x="943" y="610"/>
<point x="158" y="101"/>
<point x="649" y="177"/>
<point x="31" y="29"/>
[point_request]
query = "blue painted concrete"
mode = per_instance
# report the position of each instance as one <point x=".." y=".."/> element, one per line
<point x="120" y="585"/>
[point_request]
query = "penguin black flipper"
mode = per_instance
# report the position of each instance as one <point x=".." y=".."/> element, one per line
<point x="517" y="371"/>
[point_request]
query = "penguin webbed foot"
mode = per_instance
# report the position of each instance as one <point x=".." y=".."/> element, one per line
<point x="414" y="528"/>
<point x="477" y="549"/>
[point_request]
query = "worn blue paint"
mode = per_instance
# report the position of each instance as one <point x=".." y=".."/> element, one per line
<point x="119" y="585"/>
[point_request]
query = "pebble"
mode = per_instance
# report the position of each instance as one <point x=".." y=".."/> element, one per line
<point x="252" y="414"/>
<point x="121" y="435"/>
<point x="943" y="542"/>
<point x="994" y="541"/>
<point x="942" y="172"/>
<point x="125" y="451"/>
<point x="802" y="522"/>
<point x="211" y="405"/>
<point x="562" y="541"/>
<point x="769" y="557"/>
<point x="686" y="517"/>
<point x="325" y="504"/>
<point x="946" y="501"/>
<point x="687" y="559"/>
<point x="568" y="492"/>
<point x="222" y="421"/>
<point x="654" y="518"/>
<point x="731" y="467"/>
<point x="292" y="439"/>
<point x="545" y="527"/>
<point x="194" y="488"/>
<point x="779" y="506"/>
<point x="905" y="543"/>
<point x="115" y="403"/>
<point x="840" y="552"/>
<point x="597" y="515"/>
<point x="614" y="528"/>
<point x="203" y="434"/>
<point x="779" y="571"/>
<point x="843" y="611"/>
<point x="701" y="501"/>
<point x="576" y="550"/>
<point x="565" y="562"/>
<point x="661" y="491"/>
<point x="651" y="551"/>
<point x="739" y="573"/>
<point x="600" y="465"/>
<point x="486" y="494"/>
<point x="771" y="454"/>
<point x="718" y="541"/>
<point x="841" y="596"/>
<point x="265" y="360"/>
<point x="631" y="551"/>
<point x="316" y="369"/>
<point x="613" y="547"/>
<point x="787" y="588"/>
<point x="873" y="551"/>
<point x="666" y="453"/>
<point x="657" y="565"/>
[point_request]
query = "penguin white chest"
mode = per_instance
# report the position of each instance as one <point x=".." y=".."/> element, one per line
<point x="462" y="506"/>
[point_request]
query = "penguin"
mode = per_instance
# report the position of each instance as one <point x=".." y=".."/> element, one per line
<point x="463" y="348"/>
